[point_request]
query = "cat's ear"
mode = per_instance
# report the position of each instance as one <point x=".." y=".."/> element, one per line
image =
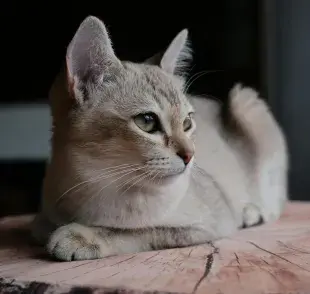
<point x="177" y="56"/>
<point x="90" y="57"/>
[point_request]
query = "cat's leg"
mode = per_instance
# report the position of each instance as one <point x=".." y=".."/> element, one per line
<point x="78" y="242"/>
<point x="269" y="150"/>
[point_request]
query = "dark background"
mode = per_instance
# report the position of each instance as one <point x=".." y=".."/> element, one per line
<point x="228" y="40"/>
<point x="224" y="35"/>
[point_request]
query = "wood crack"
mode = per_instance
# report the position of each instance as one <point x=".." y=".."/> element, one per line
<point x="147" y="259"/>
<point x="293" y="248"/>
<point x="237" y="258"/>
<point x="278" y="256"/>
<point x="208" y="266"/>
<point x="273" y="276"/>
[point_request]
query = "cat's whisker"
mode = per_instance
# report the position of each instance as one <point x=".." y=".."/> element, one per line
<point x="150" y="180"/>
<point x="212" y="97"/>
<point x="100" y="177"/>
<point x="191" y="78"/>
<point x="110" y="175"/>
<point x="123" y="184"/>
<point x="127" y="182"/>
<point x="113" y="168"/>
<point x="202" y="72"/>
<point x="116" y="172"/>
<point x="119" y="186"/>
<point x="107" y="172"/>
<point x="160" y="174"/>
<point x="110" y="183"/>
<point x="142" y="177"/>
<point x="196" y="76"/>
<point x="154" y="177"/>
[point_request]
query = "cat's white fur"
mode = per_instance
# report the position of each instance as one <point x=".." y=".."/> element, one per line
<point x="93" y="206"/>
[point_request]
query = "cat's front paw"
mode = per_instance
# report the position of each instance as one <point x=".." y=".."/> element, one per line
<point x="75" y="242"/>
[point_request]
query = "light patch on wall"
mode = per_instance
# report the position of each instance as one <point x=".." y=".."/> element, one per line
<point x="25" y="131"/>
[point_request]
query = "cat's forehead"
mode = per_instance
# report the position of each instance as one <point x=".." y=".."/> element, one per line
<point x="148" y="86"/>
<point x="151" y="82"/>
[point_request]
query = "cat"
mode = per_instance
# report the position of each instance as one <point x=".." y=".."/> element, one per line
<point x="137" y="164"/>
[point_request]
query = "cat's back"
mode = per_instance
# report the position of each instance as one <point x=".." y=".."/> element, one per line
<point x="220" y="154"/>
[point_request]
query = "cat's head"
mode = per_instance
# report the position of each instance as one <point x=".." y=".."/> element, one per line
<point x="125" y="114"/>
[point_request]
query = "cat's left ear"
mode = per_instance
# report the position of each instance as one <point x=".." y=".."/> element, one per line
<point x="177" y="56"/>
<point x="90" y="58"/>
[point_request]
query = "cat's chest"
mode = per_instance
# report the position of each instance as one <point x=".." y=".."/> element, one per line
<point x="168" y="208"/>
<point x="198" y="204"/>
<point x="205" y="210"/>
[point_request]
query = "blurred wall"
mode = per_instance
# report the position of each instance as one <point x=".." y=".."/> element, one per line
<point x="286" y="50"/>
<point x="25" y="131"/>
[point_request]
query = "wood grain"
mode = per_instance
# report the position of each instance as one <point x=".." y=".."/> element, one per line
<point x="273" y="258"/>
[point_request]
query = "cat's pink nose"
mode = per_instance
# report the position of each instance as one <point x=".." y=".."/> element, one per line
<point x="186" y="156"/>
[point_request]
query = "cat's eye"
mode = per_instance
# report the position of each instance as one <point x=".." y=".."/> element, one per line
<point x="187" y="123"/>
<point x="147" y="122"/>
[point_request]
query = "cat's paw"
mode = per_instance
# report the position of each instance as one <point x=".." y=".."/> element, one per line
<point x="75" y="242"/>
<point x="252" y="216"/>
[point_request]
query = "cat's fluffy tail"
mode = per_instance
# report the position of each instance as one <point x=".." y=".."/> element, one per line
<point x="269" y="147"/>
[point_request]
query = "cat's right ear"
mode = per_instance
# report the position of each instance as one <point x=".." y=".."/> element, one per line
<point x="176" y="57"/>
<point x="90" y="58"/>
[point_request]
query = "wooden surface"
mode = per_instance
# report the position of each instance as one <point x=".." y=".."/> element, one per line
<point x="273" y="258"/>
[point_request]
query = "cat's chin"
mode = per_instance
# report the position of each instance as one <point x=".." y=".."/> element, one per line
<point x="170" y="176"/>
